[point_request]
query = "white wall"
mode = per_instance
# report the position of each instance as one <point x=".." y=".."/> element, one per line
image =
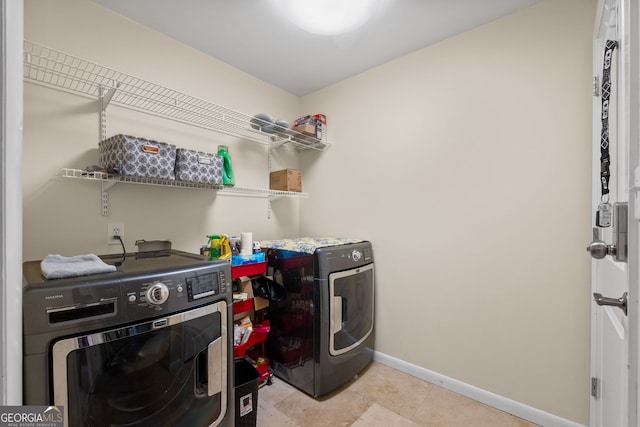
<point x="467" y="164"/>
<point x="61" y="130"/>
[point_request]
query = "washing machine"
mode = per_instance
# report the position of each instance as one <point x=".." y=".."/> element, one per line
<point x="322" y="321"/>
<point x="145" y="345"/>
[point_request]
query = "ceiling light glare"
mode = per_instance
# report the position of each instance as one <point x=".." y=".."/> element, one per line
<point x="329" y="17"/>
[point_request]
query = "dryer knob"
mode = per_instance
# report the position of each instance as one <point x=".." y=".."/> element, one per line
<point x="356" y="255"/>
<point x="157" y="293"/>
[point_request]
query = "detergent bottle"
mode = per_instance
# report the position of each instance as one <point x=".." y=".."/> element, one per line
<point x="214" y="246"/>
<point x="227" y="169"/>
<point x="225" y="248"/>
<point x="219" y="247"/>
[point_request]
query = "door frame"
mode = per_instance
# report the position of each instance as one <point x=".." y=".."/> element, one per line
<point x="11" y="117"/>
<point x="634" y="209"/>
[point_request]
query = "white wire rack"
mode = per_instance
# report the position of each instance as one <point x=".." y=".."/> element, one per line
<point x="53" y="68"/>
<point x="109" y="180"/>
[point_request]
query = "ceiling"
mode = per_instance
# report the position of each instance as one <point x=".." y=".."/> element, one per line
<point x="259" y="38"/>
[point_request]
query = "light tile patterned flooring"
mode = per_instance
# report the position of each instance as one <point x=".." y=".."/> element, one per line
<point x="380" y="396"/>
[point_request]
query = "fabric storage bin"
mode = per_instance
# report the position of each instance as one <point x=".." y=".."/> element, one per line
<point x="135" y="156"/>
<point x="197" y="166"/>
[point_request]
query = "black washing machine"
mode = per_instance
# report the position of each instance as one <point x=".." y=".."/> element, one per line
<point x="322" y="319"/>
<point x="146" y="345"/>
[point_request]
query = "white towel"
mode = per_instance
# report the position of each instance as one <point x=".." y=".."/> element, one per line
<point x="57" y="266"/>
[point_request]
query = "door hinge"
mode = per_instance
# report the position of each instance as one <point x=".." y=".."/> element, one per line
<point x="596" y="86"/>
<point x="595" y="388"/>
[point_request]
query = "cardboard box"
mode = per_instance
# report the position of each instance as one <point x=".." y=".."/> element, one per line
<point x="315" y="130"/>
<point x="306" y="128"/>
<point x="311" y="125"/>
<point x="245" y="287"/>
<point x="286" y="180"/>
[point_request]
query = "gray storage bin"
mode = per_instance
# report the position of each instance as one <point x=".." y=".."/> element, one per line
<point x="198" y="166"/>
<point x="135" y="156"/>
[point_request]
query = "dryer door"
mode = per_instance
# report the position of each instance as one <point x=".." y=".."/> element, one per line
<point x="351" y="308"/>
<point x="170" y="371"/>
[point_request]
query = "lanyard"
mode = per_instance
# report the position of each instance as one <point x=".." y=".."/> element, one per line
<point x="605" y="158"/>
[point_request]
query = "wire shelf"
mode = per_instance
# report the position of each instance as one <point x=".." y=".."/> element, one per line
<point x="108" y="180"/>
<point x="53" y="68"/>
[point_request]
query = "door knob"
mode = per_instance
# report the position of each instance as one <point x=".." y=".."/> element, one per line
<point x="599" y="249"/>
<point x="621" y="302"/>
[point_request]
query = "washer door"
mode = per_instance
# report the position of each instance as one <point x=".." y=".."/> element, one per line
<point x="351" y="308"/>
<point x="170" y="371"/>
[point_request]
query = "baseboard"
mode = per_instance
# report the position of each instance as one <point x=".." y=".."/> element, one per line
<point x="472" y="392"/>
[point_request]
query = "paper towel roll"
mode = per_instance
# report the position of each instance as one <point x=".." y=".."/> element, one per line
<point x="246" y="247"/>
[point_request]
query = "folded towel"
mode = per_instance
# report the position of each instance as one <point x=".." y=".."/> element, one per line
<point x="57" y="266"/>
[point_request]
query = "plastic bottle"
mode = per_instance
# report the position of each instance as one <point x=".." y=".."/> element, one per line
<point x="234" y="241"/>
<point x="218" y="247"/>
<point x="227" y="169"/>
<point x="214" y="246"/>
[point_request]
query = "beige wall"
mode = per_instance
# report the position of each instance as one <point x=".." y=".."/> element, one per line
<point x="61" y="130"/>
<point x="468" y="165"/>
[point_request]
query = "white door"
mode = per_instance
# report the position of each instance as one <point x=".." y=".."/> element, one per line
<point x="610" y="271"/>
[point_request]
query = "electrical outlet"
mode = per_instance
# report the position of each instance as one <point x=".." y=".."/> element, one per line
<point x="114" y="230"/>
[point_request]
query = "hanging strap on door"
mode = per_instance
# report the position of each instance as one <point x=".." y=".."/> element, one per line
<point x="604" y="212"/>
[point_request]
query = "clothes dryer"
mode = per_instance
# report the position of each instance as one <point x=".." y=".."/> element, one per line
<point x="322" y="330"/>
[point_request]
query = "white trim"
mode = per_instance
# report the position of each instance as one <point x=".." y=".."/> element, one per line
<point x="634" y="227"/>
<point x="634" y="200"/>
<point x="472" y="392"/>
<point x="11" y="114"/>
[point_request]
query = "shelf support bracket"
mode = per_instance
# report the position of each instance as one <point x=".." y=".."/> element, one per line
<point x="278" y="143"/>
<point x="106" y="185"/>
<point x="270" y="199"/>
<point x="106" y="94"/>
<point x="105" y="202"/>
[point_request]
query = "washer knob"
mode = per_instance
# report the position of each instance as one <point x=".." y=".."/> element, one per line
<point x="356" y="255"/>
<point x="157" y="293"/>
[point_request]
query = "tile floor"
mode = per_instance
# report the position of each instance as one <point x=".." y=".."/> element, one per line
<point x="381" y="396"/>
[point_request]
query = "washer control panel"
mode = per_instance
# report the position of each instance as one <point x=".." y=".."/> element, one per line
<point x="175" y="291"/>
